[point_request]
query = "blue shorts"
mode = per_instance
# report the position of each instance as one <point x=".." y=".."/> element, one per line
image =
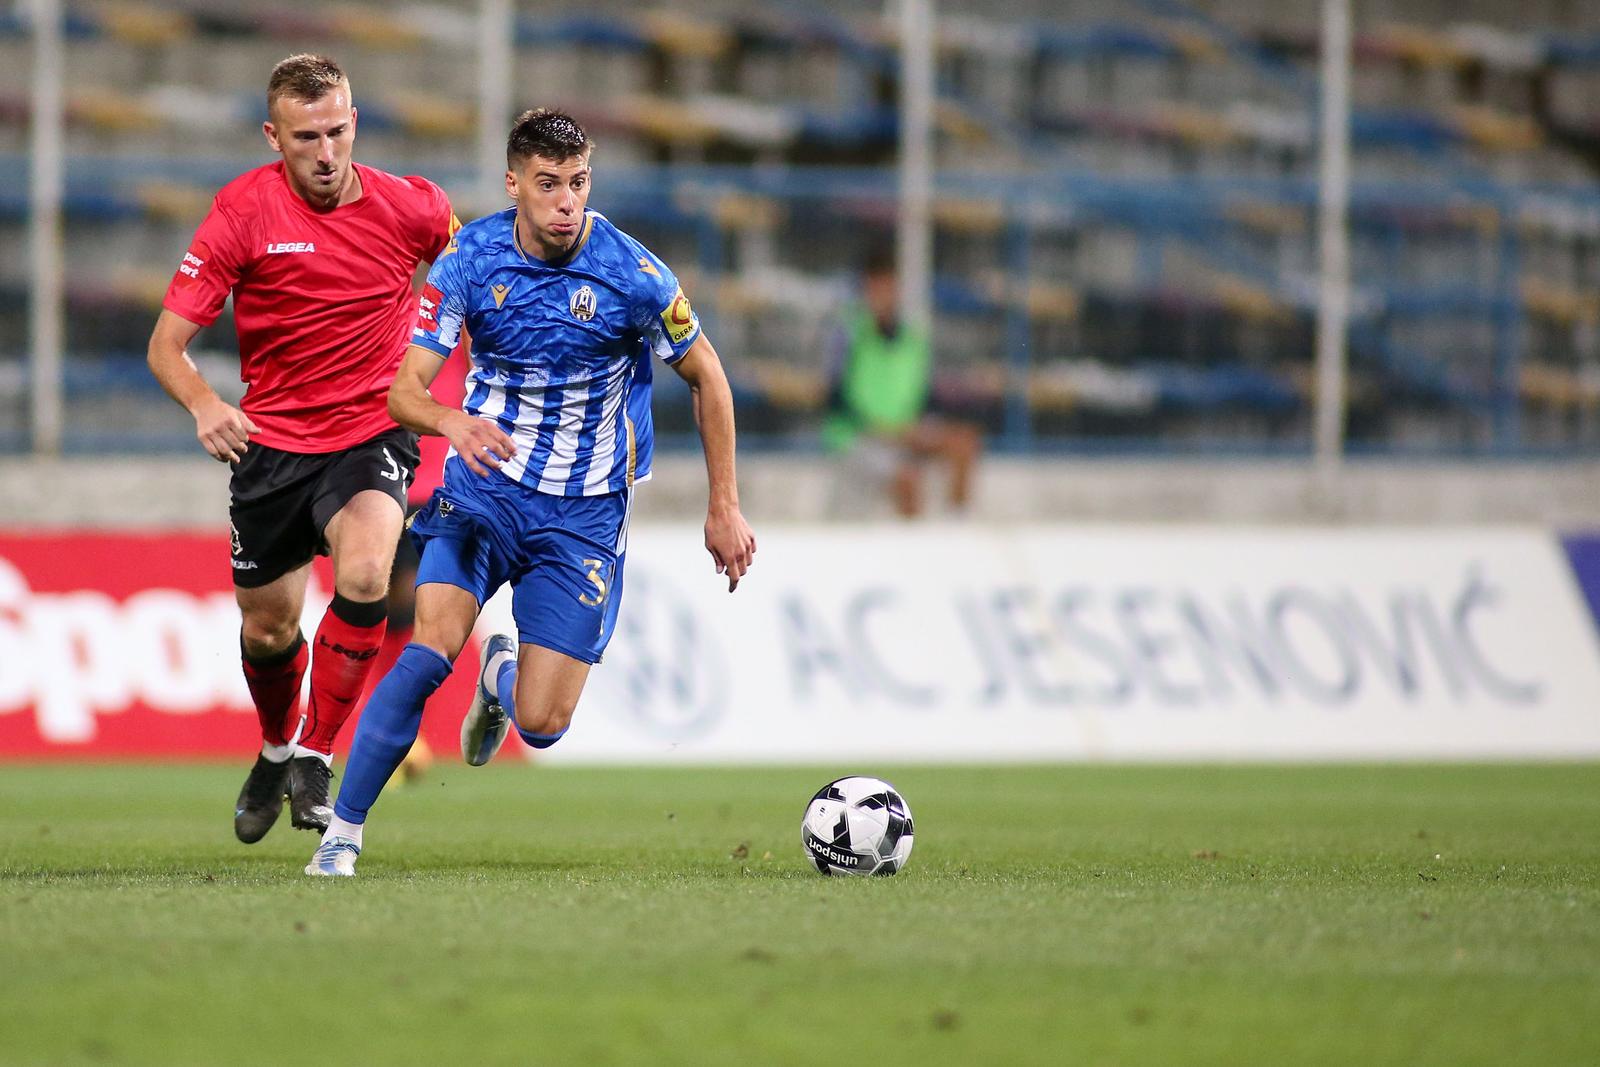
<point x="562" y="555"/>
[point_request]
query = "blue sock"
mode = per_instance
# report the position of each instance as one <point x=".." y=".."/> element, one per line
<point x="388" y="728"/>
<point x="539" y="740"/>
<point x="505" y="687"/>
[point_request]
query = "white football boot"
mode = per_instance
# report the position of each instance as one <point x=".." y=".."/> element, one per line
<point x="484" y="729"/>
<point x="334" y="858"/>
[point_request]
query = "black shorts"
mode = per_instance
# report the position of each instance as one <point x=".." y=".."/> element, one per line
<point x="281" y="502"/>
<point x="406" y="556"/>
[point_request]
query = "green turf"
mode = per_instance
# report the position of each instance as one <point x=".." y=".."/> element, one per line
<point x="1050" y="915"/>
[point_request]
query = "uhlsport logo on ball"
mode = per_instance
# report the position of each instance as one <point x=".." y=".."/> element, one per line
<point x="857" y="825"/>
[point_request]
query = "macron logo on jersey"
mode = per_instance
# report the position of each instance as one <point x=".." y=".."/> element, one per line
<point x="290" y="246"/>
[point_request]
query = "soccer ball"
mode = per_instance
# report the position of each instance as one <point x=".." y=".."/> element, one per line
<point x="857" y="825"/>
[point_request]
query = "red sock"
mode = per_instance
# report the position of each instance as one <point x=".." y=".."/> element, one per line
<point x="347" y="646"/>
<point x="274" y="683"/>
<point x="395" y="640"/>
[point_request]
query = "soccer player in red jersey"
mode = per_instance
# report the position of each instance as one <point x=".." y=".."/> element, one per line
<point x="319" y="253"/>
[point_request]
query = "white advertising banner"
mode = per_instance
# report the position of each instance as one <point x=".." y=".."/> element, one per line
<point x="913" y="643"/>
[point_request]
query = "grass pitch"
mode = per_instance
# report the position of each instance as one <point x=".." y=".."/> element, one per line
<point x="1049" y="915"/>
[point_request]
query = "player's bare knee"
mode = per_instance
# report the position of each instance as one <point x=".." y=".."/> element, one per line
<point x="264" y="633"/>
<point x="365" y="587"/>
<point x="544" y="719"/>
<point x="364" y="582"/>
<point x="446" y="638"/>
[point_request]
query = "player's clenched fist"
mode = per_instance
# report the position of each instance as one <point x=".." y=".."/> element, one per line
<point x="481" y="445"/>
<point x="223" y="429"/>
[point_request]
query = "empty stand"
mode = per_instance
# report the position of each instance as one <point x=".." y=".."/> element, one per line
<point x="1125" y="215"/>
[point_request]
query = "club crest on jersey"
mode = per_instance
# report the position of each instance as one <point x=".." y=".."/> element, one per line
<point x="583" y="304"/>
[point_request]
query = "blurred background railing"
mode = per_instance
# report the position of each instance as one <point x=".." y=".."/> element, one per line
<point x="1124" y="210"/>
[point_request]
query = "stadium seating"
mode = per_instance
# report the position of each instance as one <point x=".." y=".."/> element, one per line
<point x="1125" y="251"/>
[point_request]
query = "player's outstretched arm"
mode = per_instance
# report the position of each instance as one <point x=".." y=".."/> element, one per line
<point x="479" y="443"/>
<point x="223" y="429"/>
<point x="729" y="538"/>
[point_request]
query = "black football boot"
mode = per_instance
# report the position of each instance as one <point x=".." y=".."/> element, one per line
<point x="260" y="800"/>
<point x="309" y="808"/>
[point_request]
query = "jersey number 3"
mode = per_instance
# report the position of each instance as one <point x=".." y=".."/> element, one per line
<point x="598" y="597"/>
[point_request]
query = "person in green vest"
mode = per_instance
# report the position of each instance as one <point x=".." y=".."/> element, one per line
<point x="880" y="394"/>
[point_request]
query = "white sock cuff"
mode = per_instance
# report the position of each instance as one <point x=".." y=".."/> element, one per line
<point x="338" y="827"/>
<point x="325" y="757"/>
<point x="491" y="670"/>
<point x="276" y="753"/>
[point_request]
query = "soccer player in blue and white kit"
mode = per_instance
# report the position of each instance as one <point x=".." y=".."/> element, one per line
<point x="565" y="313"/>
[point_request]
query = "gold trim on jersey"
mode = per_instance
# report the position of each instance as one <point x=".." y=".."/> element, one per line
<point x="577" y="246"/>
<point x="583" y="239"/>
<point x="450" y="247"/>
<point x="632" y="456"/>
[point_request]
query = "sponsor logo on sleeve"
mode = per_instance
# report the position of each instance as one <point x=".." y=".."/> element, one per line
<point x="678" y="318"/>
<point x="428" y="310"/>
<point x="193" y="260"/>
<point x="648" y="267"/>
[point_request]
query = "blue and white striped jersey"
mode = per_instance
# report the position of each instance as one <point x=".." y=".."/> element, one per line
<point x="560" y="350"/>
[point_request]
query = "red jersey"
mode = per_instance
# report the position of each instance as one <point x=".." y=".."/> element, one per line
<point x="322" y="300"/>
